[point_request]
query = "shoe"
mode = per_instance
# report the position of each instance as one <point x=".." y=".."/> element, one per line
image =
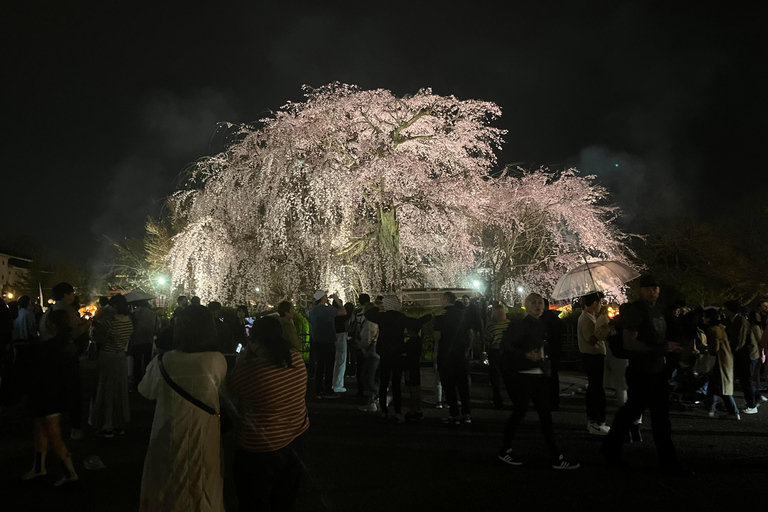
<point x="66" y="480"/>
<point x="750" y="410"/>
<point x="339" y="390"/>
<point x="451" y="420"/>
<point x="398" y="418"/>
<point x="108" y="434"/>
<point x="508" y="458"/>
<point x="371" y="407"/>
<point x="467" y="418"/>
<point x="438" y="405"/>
<point x="736" y="416"/>
<point x="634" y="434"/>
<point x="119" y="432"/>
<point x="29" y="475"/>
<point x="711" y="414"/>
<point x="330" y="396"/>
<point x="598" y="429"/>
<point x="762" y="399"/>
<point x="563" y="463"/>
<point x="77" y="434"/>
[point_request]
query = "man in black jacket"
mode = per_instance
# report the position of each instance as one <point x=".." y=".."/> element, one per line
<point x="452" y="343"/>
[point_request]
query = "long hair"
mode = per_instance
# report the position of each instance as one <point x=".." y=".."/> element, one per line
<point x="268" y="334"/>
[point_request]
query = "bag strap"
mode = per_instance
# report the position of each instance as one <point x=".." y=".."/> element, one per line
<point x="180" y="391"/>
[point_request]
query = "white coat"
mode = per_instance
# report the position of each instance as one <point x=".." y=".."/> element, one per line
<point x="182" y="470"/>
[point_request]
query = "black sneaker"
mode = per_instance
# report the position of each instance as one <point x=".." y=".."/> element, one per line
<point x="563" y="463"/>
<point x="509" y="458"/>
<point x="451" y="420"/>
<point x="467" y="418"/>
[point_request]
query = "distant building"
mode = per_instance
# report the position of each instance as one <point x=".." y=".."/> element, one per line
<point x="13" y="270"/>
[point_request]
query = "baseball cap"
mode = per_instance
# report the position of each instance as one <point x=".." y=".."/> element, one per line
<point x="319" y="294"/>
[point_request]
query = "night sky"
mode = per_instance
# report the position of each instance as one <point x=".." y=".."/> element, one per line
<point x="104" y="105"/>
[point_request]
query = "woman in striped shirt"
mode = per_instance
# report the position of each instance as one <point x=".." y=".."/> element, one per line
<point x="269" y="386"/>
<point x="109" y="406"/>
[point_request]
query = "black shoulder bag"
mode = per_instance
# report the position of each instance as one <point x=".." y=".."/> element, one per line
<point x="225" y="422"/>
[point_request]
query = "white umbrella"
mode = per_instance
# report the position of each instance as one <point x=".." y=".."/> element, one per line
<point x="137" y="296"/>
<point x="594" y="276"/>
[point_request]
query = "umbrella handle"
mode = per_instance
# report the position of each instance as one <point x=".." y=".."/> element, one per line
<point x="590" y="273"/>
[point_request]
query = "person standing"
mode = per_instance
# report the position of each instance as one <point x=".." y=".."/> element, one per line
<point x="145" y="325"/>
<point x="494" y="331"/>
<point x="592" y="347"/>
<point x="110" y="410"/>
<point x="720" y="385"/>
<point x="452" y="337"/>
<point x="269" y="386"/>
<point x="182" y="468"/>
<point x="746" y="354"/>
<point x="555" y="337"/>
<point x="286" y="311"/>
<point x="523" y="347"/>
<point x="340" y="360"/>
<point x="368" y="335"/>
<point x="644" y="336"/>
<point x="390" y="347"/>
<point x="25" y="325"/>
<point x="323" y="333"/>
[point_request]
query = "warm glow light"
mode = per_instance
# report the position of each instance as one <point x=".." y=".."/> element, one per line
<point x="612" y="312"/>
<point x="10" y="295"/>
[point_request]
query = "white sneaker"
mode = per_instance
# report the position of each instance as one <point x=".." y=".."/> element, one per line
<point x="750" y="410"/>
<point x="597" y="429"/>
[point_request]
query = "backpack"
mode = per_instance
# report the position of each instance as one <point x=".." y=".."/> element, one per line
<point x="616" y="337"/>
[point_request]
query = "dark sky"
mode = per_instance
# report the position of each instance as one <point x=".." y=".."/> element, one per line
<point x="103" y="105"/>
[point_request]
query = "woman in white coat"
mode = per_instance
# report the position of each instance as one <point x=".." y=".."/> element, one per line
<point x="182" y="470"/>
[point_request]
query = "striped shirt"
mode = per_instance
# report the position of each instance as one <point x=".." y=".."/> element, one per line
<point x="117" y="333"/>
<point x="494" y="331"/>
<point x="273" y="403"/>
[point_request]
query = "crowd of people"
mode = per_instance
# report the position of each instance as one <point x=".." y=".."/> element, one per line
<point x="642" y="354"/>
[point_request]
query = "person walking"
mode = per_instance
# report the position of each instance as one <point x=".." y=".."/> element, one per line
<point x="746" y="354"/>
<point x="48" y="398"/>
<point x="269" y="386"/>
<point x="182" y="468"/>
<point x="644" y="337"/>
<point x="523" y="347"/>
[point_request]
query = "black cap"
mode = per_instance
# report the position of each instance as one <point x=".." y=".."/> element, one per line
<point x="648" y="281"/>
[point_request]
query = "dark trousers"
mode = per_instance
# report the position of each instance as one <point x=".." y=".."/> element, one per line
<point x="268" y="481"/>
<point x="594" y="365"/>
<point x="391" y="365"/>
<point x="554" y="382"/>
<point x="645" y="390"/>
<point x="744" y="369"/>
<point x="454" y="376"/>
<point x="74" y="390"/>
<point x="141" y="354"/>
<point x="494" y="375"/>
<point x="524" y="389"/>
<point x="325" y="355"/>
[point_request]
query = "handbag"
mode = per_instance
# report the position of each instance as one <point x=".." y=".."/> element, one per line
<point x="704" y="364"/>
<point x="225" y="423"/>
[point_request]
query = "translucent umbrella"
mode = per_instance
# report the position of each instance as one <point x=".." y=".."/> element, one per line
<point x="594" y="276"/>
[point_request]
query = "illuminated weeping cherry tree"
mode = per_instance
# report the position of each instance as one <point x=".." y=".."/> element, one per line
<point x="541" y="224"/>
<point x="362" y="190"/>
<point x="351" y="188"/>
